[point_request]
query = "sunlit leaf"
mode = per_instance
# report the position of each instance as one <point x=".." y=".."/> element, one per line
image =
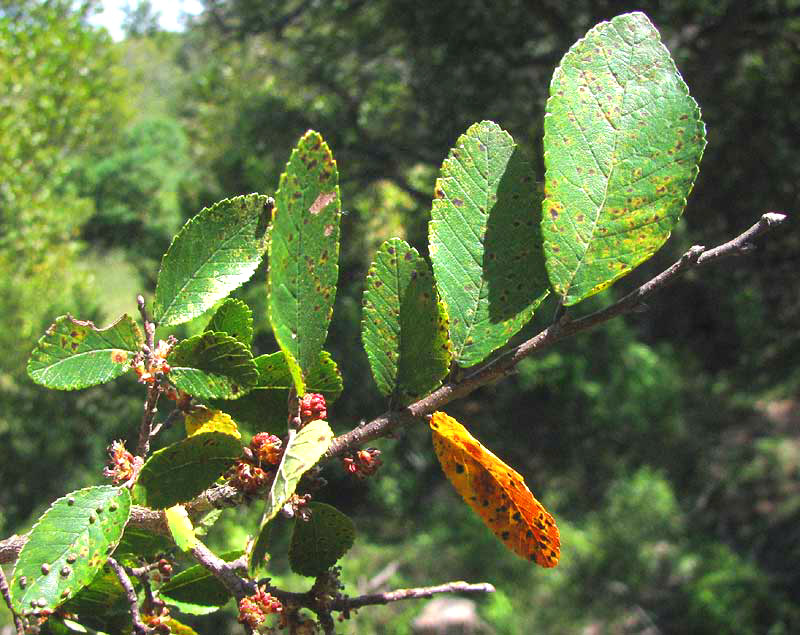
<point x="202" y="419"/>
<point x="304" y="255"/>
<point x="180" y="527"/>
<point x="485" y="242"/>
<point x="496" y="492"/>
<point x="76" y="354"/>
<point x="68" y="545"/>
<point x="622" y="144"/>
<point x="212" y="365"/>
<point x="404" y="329"/>
<point x="235" y="318"/>
<point x="215" y="252"/>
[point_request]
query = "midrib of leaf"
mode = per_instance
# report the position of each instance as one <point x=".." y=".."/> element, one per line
<point x="614" y="162"/>
<point x="194" y="277"/>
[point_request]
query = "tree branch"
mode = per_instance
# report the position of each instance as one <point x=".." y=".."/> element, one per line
<point x="347" y="604"/>
<point x="20" y="627"/>
<point x="130" y="594"/>
<point x="562" y="327"/>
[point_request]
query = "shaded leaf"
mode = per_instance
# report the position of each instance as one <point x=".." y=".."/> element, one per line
<point x="137" y="542"/>
<point x="76" y="354"/>
<point x="622" y="144"/>
<point x="212" y="365"/>
<point x="302" y="452"/>
<point x="214" y="253"/>
<point x="485" y="242"/>
<point x="196" y="591"/>
<point x="179" y="472"/>
<point x="404" y="329"/>
<point x="101" y="604"/>
<point x="321" y="540"/>
<point x="68" y="545"/>
<point x="264" y="407"/>
<point x="304" y="255"/>
<point x="496" y="492"/>
<point x="235" y="318"/>
<point x="180" y="527"/>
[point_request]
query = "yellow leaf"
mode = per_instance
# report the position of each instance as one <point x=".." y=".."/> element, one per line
<point x="180" y="527"/>
<point x="496" y="492"/>
<point x="203" y="419"/>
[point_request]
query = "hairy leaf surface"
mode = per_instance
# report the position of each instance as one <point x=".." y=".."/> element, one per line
<point x="485" y="242"/>
<point x="622" y="144"/>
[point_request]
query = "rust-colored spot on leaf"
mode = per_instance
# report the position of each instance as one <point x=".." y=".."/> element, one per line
<point x="321" y="202"/>
<point x="496" y="492"/>
<point x="119" y="356"/>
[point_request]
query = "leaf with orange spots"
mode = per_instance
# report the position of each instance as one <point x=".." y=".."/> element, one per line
<point x="214" y="253"/>
<point x="404" y="328"/>
<point x="304" y="255"/>
<point x="76" y="354"/>
<point x="496" y="492"/>
<point x="622" y="143"/>
<point x="68" y="545"/>
<point x="485" y="242"/>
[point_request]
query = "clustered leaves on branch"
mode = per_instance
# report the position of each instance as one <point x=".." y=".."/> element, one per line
<point x="623" y="140"/>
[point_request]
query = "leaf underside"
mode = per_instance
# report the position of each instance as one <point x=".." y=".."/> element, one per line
<point x="404" y="329"/>
<point x="496" y="492"/>
<point x="485" y="242"/>
<point x="304" y="255"/>
<point x="623" y="140"/>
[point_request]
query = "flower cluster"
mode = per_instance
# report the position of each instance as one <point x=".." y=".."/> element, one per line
<point x="312" y="407"/>
<point x="253" y="609"/>
<point x="158" y="623"/>
<point x="147" y="367"/>
<point x="255" y="470"/>
<point x="122" y="466"/>
<point x="362" y="463"/>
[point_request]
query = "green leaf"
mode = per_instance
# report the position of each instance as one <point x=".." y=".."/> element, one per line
<point x="214" y="253"/>
<point x="180" y="527"/>
<point x="179" y="472"/>
<point x="75" y="354"/>
<point x="304" y="255"/>
<point x="265" y="406"/>
<point x="321" y="540"/>
<point x="404" y="329"/>
<point x="137" y="542"/>
<point x="303" y="450"/>
<point x="68" y="545"/>
<point x="235" y="318"/>
<point x="257" y="557"/>
<point x="485" y="242"/>
<point x="622" y="144"/>
<point x="212" y="365"/>
<point x="102" y="604"/>
<point x="196" y="591"/>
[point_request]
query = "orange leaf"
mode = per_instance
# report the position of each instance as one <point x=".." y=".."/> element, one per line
<point x="496" y="492"/>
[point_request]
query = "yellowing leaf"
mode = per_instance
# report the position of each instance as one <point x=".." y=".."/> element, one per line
<point x="180" y="527"/>
<point x="496" y="492"/>
<point x="209" y="420"/>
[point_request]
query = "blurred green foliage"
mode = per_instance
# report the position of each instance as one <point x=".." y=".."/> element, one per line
<point x="665" y="443"/>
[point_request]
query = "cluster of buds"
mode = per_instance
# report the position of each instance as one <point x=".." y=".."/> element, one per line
<point x="253" y="609"/>
<point x="162" y="570"/>
<point x="255" y="470"/>
<point x="147" y="367"/>
<point x="158" y="623"/>
<point x="312" y="407"/>
<point x="122" y="465"/>
<point x="362" y="463"/>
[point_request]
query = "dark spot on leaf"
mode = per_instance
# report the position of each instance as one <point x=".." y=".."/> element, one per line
<point x="458" y="202"/>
